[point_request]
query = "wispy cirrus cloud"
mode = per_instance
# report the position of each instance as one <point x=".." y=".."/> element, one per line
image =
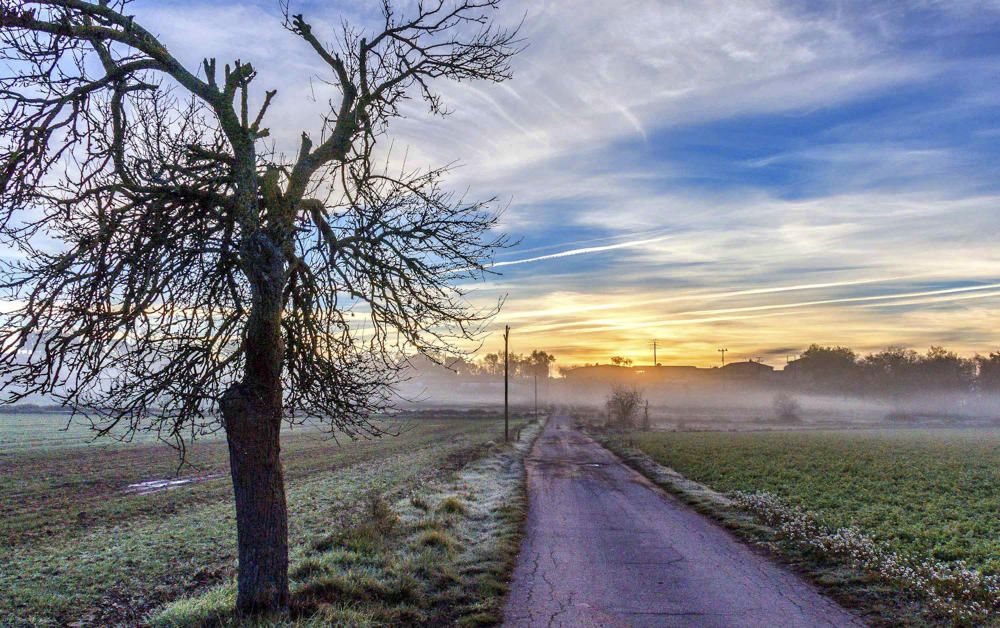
<point x="661" y="157"/>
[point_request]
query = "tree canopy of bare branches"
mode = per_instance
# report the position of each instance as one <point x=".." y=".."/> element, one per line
<point x="172" y="272"/>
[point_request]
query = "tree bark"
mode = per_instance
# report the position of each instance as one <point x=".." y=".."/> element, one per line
<point x="251" y="412"/>
<point x="261" y="511"/>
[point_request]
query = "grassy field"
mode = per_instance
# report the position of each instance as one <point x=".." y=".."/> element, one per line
<point x="38" y="431"/>
<point x="929" y="493"/>
<point x="78" y="548"/>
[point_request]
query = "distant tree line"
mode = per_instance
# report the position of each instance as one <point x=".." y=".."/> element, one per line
<point x="33" y="408"/>
<point x="490" y="365"/>
<point x="820" y="369"/>
<point x="536" y="363"/>
<point x="895" y="370"/>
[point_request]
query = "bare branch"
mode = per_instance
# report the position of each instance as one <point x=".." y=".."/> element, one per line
<point x="185" y="242"/>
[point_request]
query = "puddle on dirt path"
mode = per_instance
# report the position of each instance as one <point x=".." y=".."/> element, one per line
<point x="155" y="486"/>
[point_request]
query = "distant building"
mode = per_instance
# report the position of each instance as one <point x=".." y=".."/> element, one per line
<point x="669" y="374"/>
<point x="633" y="375"/>
<point x="604" y="373"/>
<point x="748" y="371"/>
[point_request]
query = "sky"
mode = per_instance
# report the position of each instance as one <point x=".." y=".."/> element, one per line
<point x="755" y="175"/>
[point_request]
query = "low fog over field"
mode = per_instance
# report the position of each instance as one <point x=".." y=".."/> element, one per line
<point x="826" y="387"/>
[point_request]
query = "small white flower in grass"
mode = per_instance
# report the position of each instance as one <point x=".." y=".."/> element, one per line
<point x="955" y="590"/>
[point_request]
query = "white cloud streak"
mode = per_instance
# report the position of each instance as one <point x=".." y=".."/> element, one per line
<point x="581" y="251"/>
<point x="731" y="314"/>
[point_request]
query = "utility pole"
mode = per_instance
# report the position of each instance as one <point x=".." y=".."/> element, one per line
<point x="645" y="419"/>
<point x="723" y="352"/>
<point x="536" y="395"/>
<point x="506" y="396"/>
<point x="654" y="353"/>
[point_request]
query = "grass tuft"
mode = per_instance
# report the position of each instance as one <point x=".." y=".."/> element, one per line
<point x="452" y="506"/>
<point x="213" y="608"/>
<point x="437" y="539"/>
<point x="308" y="568"/>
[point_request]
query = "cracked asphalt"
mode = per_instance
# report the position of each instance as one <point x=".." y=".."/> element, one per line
<point x="605" y="547"/>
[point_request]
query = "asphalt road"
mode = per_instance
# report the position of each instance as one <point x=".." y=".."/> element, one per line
<point x="604" y="547"/>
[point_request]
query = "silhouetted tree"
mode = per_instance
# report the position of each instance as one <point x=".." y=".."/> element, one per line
<point x="620" y="361"/>
<point x="517" y="364"/>
<point x="827" y="369"/>
<point x="492" y="364"/>
<point x="940" y="369"/>
<point x="887" y="371"/>
<point x="461" y="366"/>
<point x="538" y="364"/>
<point x="988" y="377"/>
<point x="203" y="279"/>
<point x="893" y="371"/>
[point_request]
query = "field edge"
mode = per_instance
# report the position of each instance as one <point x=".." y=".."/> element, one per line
<point x="876" y="603"/>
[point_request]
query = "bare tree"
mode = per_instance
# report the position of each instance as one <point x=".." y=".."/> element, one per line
<point x="623" y="406"/>
<point x="199" y="278"/>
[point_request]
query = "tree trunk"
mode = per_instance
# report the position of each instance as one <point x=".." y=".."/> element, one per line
<point x="251" y="412"/>
<point x="261" y="512"/>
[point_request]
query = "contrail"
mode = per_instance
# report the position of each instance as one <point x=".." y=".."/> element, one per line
<point x="703" y="316"/>
<point x="942" y="299"/>
<point x="704" y="297"/>
<point x="576" y="243"/>
<point x="877" y="297"/>
<point x="580" y="251"/>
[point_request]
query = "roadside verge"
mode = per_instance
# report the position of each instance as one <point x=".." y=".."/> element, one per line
<point x="441" y="554"/>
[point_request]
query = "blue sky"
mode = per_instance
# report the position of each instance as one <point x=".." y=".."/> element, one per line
<point x="757" y="174"/>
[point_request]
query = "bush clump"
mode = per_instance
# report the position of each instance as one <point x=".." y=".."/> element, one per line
<point x="787" y="409"/>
